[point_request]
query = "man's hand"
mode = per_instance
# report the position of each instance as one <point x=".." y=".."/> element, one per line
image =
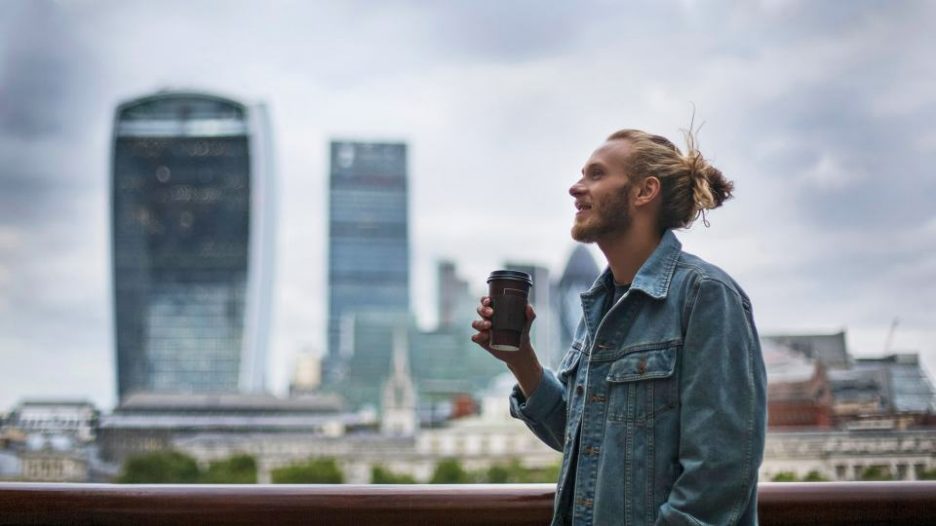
<point x="523" y="362"/>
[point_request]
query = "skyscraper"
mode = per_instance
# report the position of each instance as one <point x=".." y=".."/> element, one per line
<point x="456" y="304"/>
<point x="192" y="244"/>
<point x="580" y="273"/>
<point x="368" y="241"/>
<point x="544" y="333"/>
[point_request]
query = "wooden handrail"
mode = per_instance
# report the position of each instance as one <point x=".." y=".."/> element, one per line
<point x="832" y="503"/>
<point x="844" y="503"/>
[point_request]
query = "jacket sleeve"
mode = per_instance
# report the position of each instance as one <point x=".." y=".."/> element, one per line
<point x="544" y="412"/>
<point x="723" y="411"/>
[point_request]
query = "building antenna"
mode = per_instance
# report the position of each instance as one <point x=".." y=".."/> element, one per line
<point x="890" y="335"/>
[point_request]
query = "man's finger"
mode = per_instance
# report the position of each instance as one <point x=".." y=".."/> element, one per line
<point x="480" y="325"/>
<point x="486" y="312"/>
<point x="480" y="337"/>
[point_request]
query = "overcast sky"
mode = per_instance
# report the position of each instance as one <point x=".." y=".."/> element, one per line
<point x="821" y="112"/>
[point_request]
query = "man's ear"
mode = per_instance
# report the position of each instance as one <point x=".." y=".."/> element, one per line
<point x="647" y="190"/>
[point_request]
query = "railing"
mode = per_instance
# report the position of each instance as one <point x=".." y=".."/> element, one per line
<point x="833" y="503"/>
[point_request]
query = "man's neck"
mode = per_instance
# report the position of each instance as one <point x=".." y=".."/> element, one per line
<point x="627" y="251"/>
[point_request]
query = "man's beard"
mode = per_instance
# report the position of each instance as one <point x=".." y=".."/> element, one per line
<point x="605" y="217"/>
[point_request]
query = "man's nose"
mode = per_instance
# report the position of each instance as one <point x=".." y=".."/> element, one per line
<point x="577" y="189"/>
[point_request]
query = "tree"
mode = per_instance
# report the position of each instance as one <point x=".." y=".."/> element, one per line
<point x="876" y="473"/>
<point x="499" y="474"/>
<point x="515" y="472"/>
<point x="929" y="474"/>
<point x="784" y="476"/>
<point x="382" y="475"/>
<point x="548" y="474"/>
<point x="815" y="476"/>
<point x="237" y="469"/>
<point x="450" y="471"/>
<point x="160" y="467"/>
<point x="313" y="471"/>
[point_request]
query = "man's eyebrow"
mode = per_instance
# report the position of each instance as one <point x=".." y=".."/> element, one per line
<point x="593" y="164"/>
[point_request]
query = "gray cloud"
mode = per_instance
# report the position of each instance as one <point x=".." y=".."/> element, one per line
<point x="821" y="112"/>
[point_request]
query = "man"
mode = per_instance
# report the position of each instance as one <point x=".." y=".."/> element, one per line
<point x="659" y="406"/>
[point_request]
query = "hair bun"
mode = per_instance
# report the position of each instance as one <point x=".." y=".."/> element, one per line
<point x="719" y="187"/>
<point x="709" y="187"/>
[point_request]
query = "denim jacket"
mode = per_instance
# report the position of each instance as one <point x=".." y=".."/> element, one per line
<point x="662" y="401"/>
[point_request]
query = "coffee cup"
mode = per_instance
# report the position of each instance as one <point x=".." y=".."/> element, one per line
<point x="508" y="290"/>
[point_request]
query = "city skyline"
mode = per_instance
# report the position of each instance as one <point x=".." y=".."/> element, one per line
<point x="820" y="114"/>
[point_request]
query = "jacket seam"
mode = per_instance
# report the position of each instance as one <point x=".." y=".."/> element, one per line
<point x="703" y="275"/>
<point x="749" y="438"/>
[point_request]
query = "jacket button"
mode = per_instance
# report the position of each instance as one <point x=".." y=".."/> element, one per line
<point x="642" y="366"/>
<point x="579" y="389"/>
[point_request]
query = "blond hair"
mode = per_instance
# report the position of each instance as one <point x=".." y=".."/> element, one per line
<point x="688" y="183"/>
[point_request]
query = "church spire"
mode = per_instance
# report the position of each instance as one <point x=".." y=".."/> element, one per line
<point x="399" y="396"/>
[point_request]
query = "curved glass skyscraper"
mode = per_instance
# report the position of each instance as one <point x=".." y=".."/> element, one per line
<point x="192" y="244"/>
<point x="580" y="273"/>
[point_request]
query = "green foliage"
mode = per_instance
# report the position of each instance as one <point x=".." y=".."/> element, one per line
<point x="173" y="467"/>
<point x="814" y="476"/>
<point x="784" y="476"/>
<point x="548" y="474"/>
<point x="499" y="474"/>
<point x="160" y="467"/>
<point x="789" y="476"/>
<point x="238" y="469"/>
<point x="313" y="471"/>
<point x="876" y="473"/>
<point x="382" y="475"/>
<point x="450" y="471"/>
<point x="515" y="473"/>
<point x="929" y="474"/>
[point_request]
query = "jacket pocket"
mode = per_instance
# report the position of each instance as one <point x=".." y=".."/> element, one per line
<point x="643" y="384"/>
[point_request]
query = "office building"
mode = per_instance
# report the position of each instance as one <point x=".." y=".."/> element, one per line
<point x="829" y="349"/>
<point x="368" y="242"/>
<point x="205" y="424"/>
<point x="544" y="334"/>
<point x="50" y="441"/>
<point x="579" y="275"/>
<point x="368" y="336"/>
<point x="192" y="244"/>
<point x="74" y="419"/>
<point x="456" y="303"/>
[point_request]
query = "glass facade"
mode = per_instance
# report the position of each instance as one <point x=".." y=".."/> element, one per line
<point x="455" y="302"/>
<point x="184" y="240"/>
<point x="544" y="333"/>
<point x="368" y="242"/>
<point x="579" y="275"/>
<point x="370" y="334"/>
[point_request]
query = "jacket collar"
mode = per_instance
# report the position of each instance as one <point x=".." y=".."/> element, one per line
<point x="654" y="276"/>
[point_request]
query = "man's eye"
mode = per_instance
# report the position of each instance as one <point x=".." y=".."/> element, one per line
<point x="596" y="175"/>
